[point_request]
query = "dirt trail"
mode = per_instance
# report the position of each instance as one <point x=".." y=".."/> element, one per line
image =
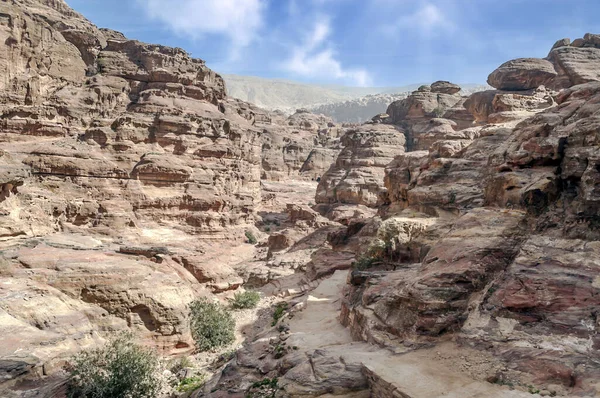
<point x="413" y="374"/>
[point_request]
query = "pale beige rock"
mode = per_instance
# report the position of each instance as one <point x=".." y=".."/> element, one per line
<point x="357" y="175"/>
<point x="523" y="74"/>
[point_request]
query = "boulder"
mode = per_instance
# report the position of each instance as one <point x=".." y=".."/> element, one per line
<point x="445" y="87"/>
<point x="523" y="74"/>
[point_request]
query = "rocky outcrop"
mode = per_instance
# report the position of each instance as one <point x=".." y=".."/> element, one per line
<point x="111" y="143"/>
<point x="523" y="74"/>
<point x="567" y="64"/>
<point x="497" y="106"/>
<point x="304" y="144"/>
<point x="467" y="222"/>
<point x="445" y="87"/>
<point x="424" y="103"/>
<point x="357" y="175"/>
<point x="503" y="263"/>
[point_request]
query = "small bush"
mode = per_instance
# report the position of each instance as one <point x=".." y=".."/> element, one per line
<point x="177" y="365"/>
<point x="245" y="300"/>
<point x="364" y="263"/>
<point x="212" y="325"/>
<point x="452" y="197"/>
<point x="280" y="309"/>
<point x="191" y="383"/>
<point x="251" y="238"/>
<point x="266" y="388"/>
<point x="119" y="369"/>
<point x="438" y="112"/>
<point x="279" y="351"/>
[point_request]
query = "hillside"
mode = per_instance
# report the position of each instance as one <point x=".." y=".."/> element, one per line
<point x="446" y="248"/>
<point x="288" y="95"/>
<point x="342" y="103"/>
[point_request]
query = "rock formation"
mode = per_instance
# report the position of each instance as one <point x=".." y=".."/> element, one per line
<point x="455" y="238"/>
<point x="504" y="265"/>
<point x="302" y="144"/>
<point x="566" y="65"/>
<point x="485" y="236"/>
<point x="108" y="143"/>
<point x="356" y="176"/>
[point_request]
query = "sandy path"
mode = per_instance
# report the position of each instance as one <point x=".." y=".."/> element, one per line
<point x="412" y="374"/>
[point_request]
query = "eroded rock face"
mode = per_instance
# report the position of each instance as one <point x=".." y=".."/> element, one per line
<point x="486" y="229"/>
<point x="523" y="74"/>
<point x="357" y="175"/>
<point x="302" y="145"/>
<point x="567" y="64"/>
<point x="518" y="283"/>
<point x="496" y="106"/>
<point x="121" y="144"/>
<point x="424" y="103"/>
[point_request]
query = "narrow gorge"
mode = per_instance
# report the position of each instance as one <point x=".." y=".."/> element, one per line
<point x="448" y="247"/>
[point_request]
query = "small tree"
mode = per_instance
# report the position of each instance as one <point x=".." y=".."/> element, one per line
<point x="245" y="300"/>
<point x="119" y="369"/>
<point x="251" y="238"/>
<point x="212" y="325"/>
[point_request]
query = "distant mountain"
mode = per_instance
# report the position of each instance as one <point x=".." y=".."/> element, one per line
<point x="361" y="109"/>
<point x="343" y="104"/>
<point x="358" y="110"/>
<point x="288" y="95"/>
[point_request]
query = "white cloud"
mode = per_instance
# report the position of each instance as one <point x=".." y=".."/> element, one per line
<point x="315" y="59"/>
<point x="428" y="19"/>
<point x="239" y="20"/>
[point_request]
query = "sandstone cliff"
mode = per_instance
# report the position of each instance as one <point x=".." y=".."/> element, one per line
<point x="459" y="250"/>
<point x="112" y="150"/>
<point x="484" y="247"/>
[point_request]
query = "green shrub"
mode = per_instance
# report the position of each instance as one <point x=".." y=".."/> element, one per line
<point x="363" y="263"/>
<point x="245" y="300"/>
<point x="266" y="388"/>
<point x="177" y="365"/>
<point x="279" y="351"/>
<point x="212" y="325"/>
<point x="251" y="238"/>
<point x="452" y="197"/>
<point x="119" y="369"/>
<point x="191" y="383"/>
<point x="280" y="309"/>
<point x="438" y="112"/>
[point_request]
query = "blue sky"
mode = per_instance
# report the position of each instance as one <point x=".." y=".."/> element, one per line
<point x="351" y="42"/>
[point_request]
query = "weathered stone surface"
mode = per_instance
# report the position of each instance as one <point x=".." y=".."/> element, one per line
<point x="56" y="302"/>
<point x="540" y="312"/>
<point x="135" y="145"/>
<point x="304" y="144"/>
<point x="566" y="65"/>
<point x="561" y="43"/>
<point x="523" y="74"/>
<point x="480" y="216"/>
<point x="421" y="104"/>
<point x="576" y="65"/>
<point x="522" y="281"/>
<point x="445" y="87"/>
<point x="357" y="175"/>
<point x="486" y="104"/>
